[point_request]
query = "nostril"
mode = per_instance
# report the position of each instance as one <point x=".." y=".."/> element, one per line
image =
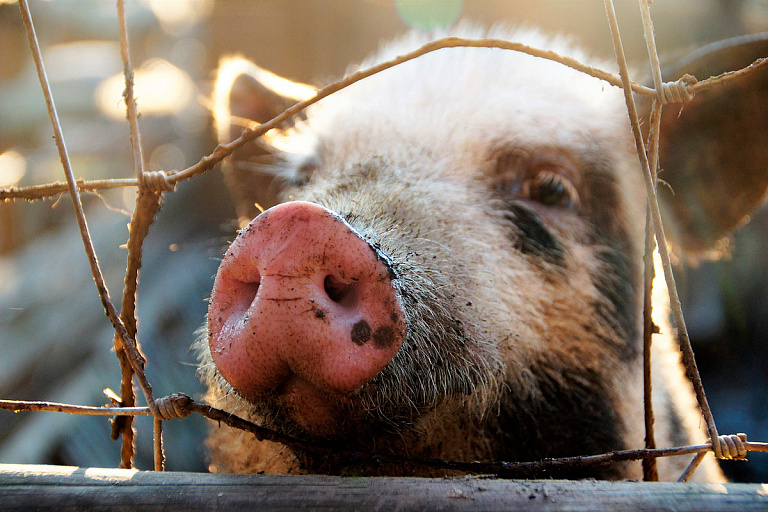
<point x="336" y="289"/>
<point x="242" y="296"/>
<point x="249" y="292"/>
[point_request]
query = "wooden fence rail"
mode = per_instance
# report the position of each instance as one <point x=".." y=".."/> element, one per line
<point x="27" y="487"/>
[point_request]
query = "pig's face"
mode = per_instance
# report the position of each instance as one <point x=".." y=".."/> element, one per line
<point x="488" y="220"/>
<point x="504" y="220"/>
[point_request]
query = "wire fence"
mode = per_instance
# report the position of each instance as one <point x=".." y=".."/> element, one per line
<point x="153" y="186"/>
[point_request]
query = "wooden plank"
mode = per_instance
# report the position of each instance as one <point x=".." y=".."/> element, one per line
<point x="24" y="487"/>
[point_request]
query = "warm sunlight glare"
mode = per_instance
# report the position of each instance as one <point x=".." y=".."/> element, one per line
<point x="160" y="88"/>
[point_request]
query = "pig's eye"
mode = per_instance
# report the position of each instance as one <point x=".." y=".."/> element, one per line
<point x="551" y="189"/>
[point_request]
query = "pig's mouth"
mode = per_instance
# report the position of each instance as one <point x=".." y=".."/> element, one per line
<point x="313" y="411"/>
<point x="299" y="409"/>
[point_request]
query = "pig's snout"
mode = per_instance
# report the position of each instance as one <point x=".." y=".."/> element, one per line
<point x="302" y="304"/>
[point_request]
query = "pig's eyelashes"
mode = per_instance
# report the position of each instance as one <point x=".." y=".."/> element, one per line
<point x="304" y="172"/>
<point x="551" y="189"/>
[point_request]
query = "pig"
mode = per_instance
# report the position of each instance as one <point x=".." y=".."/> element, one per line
<point x="452" y="269"/>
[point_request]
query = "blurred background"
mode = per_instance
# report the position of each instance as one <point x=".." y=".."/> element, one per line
<point x="54" y="339"/>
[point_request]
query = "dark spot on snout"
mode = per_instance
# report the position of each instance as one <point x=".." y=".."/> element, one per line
<point x="361" y="333"/>
<point x="319" y="313"/>
<point x="394" y="318"/>
<point x="532" y="237"/>
<point x="384" y="336"/>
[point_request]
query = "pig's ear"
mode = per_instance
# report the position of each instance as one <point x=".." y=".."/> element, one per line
<point x="714" y="148"/>
<point x="244" y="96"/>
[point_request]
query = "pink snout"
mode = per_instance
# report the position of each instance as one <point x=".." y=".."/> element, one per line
<point x="302" y="304"/>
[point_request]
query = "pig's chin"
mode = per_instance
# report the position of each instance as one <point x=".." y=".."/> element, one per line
<point x="300" y="409"/>
<point x="315" y="412"/>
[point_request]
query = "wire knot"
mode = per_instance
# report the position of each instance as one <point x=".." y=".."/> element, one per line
<point x="732" y="446"/>
<point x="156" y="181"/>
<point x="174" y="406"/>
<point x="678" y="91"/>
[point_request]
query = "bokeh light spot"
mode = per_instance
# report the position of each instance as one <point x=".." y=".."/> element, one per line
<point x="13" y="166"/>
<point x="178" y="16"/>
